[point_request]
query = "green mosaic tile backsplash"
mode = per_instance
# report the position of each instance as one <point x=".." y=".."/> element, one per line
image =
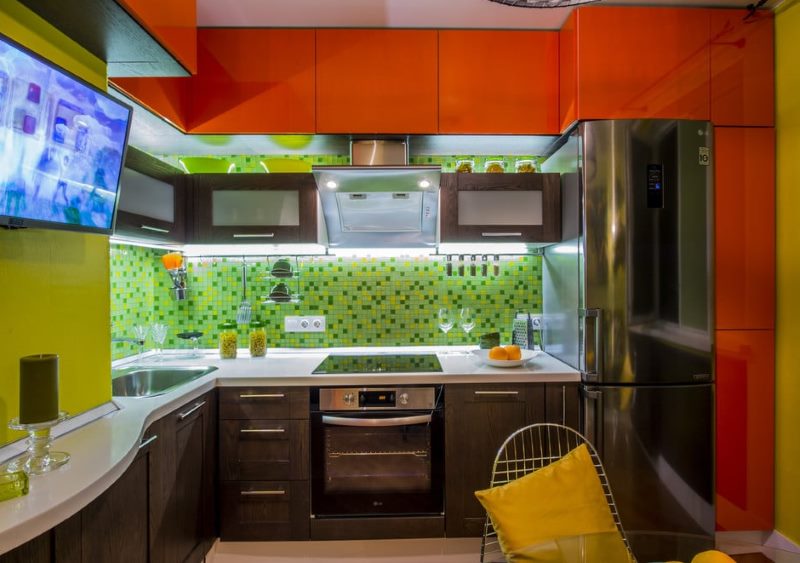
<point x="366" y="301"/>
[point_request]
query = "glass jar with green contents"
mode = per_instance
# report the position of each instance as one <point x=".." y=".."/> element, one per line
<point x="227" y="340"/>
<point x="258" y="339"/>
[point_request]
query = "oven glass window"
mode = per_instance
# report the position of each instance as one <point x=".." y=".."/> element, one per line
<point x="394" y="459"/>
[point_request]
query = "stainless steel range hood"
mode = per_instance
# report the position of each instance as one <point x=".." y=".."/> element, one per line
<point x="379" y="206"/>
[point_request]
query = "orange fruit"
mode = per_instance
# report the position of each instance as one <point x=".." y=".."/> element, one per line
<point x="513" y="351"/>
<point x="498" y="353"/>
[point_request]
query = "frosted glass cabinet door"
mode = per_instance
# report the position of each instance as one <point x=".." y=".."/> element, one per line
<point x="255" y="208"/>
<point x="500" y="208"/>
<point x="151" y="200"/>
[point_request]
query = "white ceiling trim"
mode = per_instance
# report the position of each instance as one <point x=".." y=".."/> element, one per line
<point x="438" y="14"/>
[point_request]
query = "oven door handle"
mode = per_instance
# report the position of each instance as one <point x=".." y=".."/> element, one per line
<point x="370" y="422"/>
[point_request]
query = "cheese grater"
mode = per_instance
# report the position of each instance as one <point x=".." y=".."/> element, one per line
<point x="524" y="331"/>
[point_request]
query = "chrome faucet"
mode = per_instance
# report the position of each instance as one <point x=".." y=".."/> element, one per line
<point x="128" y="340"/>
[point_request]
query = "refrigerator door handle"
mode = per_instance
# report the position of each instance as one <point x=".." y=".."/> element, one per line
<point x="593" y="417"/>
<point x="595" y="353"/>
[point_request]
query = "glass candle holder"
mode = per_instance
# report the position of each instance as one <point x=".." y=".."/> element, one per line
<point x="38" y="459"/>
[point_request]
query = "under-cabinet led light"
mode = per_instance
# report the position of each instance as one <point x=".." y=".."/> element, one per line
<point x="330" y="184"/>
<point x="424" y="184"/>
<point x="485" y="248"/>
<point x="382" y="252"/>
<point x="197" y="250"/>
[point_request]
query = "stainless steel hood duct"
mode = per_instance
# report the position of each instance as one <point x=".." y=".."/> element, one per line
<point x="379" y="206"/>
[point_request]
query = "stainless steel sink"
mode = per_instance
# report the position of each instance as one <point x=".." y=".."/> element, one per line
<point x="151" y="381"/>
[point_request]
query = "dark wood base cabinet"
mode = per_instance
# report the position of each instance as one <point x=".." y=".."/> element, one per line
<point x="264" y="489"/>
<point x="478" y="419"/>
<point x="161" y="510"/>
<point x="264" y="510"/>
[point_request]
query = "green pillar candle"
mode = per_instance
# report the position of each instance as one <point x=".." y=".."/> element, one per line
<point x="38" y="388"/>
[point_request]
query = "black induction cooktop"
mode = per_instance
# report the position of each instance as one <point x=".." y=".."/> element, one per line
<point x="380" y="363"/>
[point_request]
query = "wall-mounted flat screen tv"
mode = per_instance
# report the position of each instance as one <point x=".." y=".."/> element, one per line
<point x="62" y="146"/>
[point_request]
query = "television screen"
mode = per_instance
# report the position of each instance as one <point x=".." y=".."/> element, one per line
<point x="62" y="146"/>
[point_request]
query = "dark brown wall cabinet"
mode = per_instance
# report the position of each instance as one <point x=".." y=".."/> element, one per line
<point x="254" y="208"/>
<point x="501" y="208"/>
<point x="263" y="461"/>
<point x="152" y="200"/>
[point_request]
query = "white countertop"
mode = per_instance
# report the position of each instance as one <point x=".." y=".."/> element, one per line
<point x="102" y="450"/>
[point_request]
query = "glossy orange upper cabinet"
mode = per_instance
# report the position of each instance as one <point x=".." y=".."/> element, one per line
<point x="503" y="82"/>
<point x="166" y="97"/>
<point x="745" y="429"/>
<point x="377" y="81"/>
<point x="173" y="23"/>
<point x="568" y="76"/>
<point x="742" y="68"/>
<point x="637" y="62"/>
<point x="745" y="227"/>
<point x="253" y="80"/>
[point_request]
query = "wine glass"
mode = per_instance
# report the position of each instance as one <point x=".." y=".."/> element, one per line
<point x="445" y="319"/>
<point x="467" y="319"/>
<point x="159" y="333"/>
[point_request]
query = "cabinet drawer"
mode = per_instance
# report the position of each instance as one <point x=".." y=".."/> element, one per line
<point x="263" y="403"/>
<point x="263" y="450"/>
<point x="264" y="510"/>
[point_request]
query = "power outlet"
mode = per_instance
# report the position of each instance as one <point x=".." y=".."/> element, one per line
<point x="311" y="323"/>
<point x="536" y="322"/>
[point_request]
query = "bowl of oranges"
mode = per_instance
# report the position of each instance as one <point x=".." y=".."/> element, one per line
<point x="509" y="356"/>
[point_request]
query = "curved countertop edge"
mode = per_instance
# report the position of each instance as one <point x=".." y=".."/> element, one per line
<point x="56" y="496"/>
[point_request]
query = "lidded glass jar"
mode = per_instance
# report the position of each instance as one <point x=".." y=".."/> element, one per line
<point x="227" y="340"/>
<point x="258" y="339"/>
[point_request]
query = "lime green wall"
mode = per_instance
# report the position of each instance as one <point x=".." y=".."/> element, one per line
<point x="787" y="333"/>
<point x="53" y="285"/>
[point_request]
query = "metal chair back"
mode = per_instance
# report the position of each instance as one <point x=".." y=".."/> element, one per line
<point x="529" y="449"/>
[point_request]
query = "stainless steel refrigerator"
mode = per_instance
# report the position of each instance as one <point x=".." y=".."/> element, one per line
<point x="628" y="301"/>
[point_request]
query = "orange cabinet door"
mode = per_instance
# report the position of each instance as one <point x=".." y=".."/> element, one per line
<point x="173" y="23"/>
<point x="498" y="82"/>
<point x="376" y="81"/>
<point x="643" y="63"/>
<point x="742" y="68"/>
<point x="745" y="227"/>
<point x="745" y="429"/>
<point x="568" y="76"/>
<point x="254" y="81"/>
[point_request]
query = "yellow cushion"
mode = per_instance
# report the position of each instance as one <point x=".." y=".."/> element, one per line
<point x="563" y="499"/>
<point x="712" y="556"/>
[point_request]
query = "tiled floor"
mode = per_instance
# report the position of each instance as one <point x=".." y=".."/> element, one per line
<point x="461" y="550"/>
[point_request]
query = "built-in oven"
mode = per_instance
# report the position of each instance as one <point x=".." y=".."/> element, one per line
<point x="377" y="451"/>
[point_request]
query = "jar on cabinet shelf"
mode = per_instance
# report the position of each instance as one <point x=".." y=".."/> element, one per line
<point x="258" y="339"/>
<point x="228" y="336"/>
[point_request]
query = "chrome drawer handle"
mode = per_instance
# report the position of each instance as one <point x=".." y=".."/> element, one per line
<point x="254" y="235"/>
<point x="147" y="442"/>
<point x="262" y="396"/>
<point x="154" y="229"/>
<point x="262" y="493"/>
<point x="262" y="430"/>
<point x="190" y="411"/>
<point x="501" y="234"/>
<point x="514" y="393"/>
